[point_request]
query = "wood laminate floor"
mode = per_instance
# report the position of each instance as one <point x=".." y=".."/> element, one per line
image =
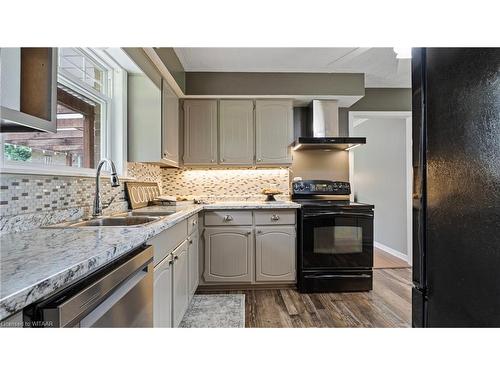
<point x="382" y="259"/>
<point x="387" y="305"/>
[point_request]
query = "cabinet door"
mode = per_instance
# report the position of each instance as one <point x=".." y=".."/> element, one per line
<point x="274" y="131"/>
<point x="200" y="132"/>
<point x="144" y="119"/>
<point x="180" y="290"/>
<point x="193" y="256"/>
<point x="162" y="293"/>
<point x="170" y="118"/>
<point x="275" y="253"/>
<point x="236" y="132"/>
<point x="228" y="254"/>
<point x="28" y="79"/>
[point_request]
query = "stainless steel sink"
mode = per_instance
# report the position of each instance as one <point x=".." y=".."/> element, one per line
<point x="108" y="221"/>
<point x="156" y="213"/>
<point x="115" y="221"/>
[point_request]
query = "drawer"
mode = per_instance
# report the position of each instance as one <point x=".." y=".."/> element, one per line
<point x="165" y="242"/>
<point x="229" y="217"/>
<point x="192" y="224"/>
<point x="274" y="217"/>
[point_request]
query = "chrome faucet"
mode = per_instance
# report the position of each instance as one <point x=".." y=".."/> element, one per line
<point x="97" y="209"/>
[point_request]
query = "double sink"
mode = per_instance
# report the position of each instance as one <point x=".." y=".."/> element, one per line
<point x="128" y="219"/>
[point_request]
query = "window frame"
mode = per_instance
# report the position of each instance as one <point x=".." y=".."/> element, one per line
<point x="116" y="98"/>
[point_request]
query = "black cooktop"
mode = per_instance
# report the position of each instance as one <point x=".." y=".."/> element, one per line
<point x="330" y="203"/>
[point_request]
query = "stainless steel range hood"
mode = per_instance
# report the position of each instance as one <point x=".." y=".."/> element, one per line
<point x="320" y="128"/>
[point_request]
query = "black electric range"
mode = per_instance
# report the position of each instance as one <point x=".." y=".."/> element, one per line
<point x="335" y="238"/>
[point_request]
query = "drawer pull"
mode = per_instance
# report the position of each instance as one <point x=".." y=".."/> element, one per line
<point x="275" y="217"/>
<point x="228" y="218"/>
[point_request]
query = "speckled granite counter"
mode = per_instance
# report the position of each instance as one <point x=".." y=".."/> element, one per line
<point x="36" y="263"/>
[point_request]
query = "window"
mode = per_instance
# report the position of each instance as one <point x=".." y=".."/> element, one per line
<point x="84" y="100"/>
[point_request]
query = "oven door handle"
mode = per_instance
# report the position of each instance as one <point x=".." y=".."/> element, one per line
<point x="363" y="276"/>
<point x="334" y="213"/>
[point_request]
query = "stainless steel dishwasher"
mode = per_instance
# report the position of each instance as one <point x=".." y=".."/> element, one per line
<point x="120" y="295"/>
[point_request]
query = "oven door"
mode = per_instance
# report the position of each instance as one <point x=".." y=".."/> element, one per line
<point x="337" y="238"/>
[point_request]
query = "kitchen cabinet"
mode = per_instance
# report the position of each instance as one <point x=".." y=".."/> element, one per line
<point x="229" y="254"/>
<point x="236" y="132"/>
<point x="193" y="257"/>
<point x="144" y="119"/>
<point x="274" y="131"/>
<point x="275" y="253"/>
<point x="200" y="132"/>
<point x="162" y="293"/>
<point x="180" y="283"/>
<point x="28" y="78"/>
<point x="170" y="126"/>
<point x="153" y="122"/>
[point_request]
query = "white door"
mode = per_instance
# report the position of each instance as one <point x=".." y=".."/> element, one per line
<point x="228" y="254"/>
<point x="170" y="118"/>
<point x="200" y="132"/>
<point x="180" y="283"/>
<point x="236" y="132"/>
<point x="193" y="255"/>
<point x="274" y="131"/>
<point x="275" y="253"/>
<point x="162" y="293"/>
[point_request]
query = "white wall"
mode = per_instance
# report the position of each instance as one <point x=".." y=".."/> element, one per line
<point x="380" y="178"/>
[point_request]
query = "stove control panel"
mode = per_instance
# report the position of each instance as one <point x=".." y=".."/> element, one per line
<point x="321" y="187"/>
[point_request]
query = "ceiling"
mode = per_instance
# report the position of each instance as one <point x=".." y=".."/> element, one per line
<point x="380" y="65"/>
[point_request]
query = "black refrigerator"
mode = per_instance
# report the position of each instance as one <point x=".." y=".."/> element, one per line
<point x="456" y="192"/>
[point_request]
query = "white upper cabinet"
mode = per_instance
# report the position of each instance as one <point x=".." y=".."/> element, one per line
<point x="153" y="122"/>
<point x="144" y="119"/>
<point x="170" y="118"/>
<point x="236" y="132"/>
<point x="200" y="132"/>
<point x="274" y="131"/>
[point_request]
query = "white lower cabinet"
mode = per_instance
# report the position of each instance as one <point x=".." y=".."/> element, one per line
<point x="162" y="293"/>
<point x="275" y="253"/>
<point x="193" y="257"/>
<point x="229" y="254"/>
<point x="180" y="283"/>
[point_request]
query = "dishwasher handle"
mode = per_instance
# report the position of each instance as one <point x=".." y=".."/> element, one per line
<point x="81" y="304"/>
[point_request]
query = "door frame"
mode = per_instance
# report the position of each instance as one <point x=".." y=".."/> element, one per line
<point x="358" y="117"/>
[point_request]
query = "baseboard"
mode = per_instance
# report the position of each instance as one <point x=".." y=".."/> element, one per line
<point x="391" y="251"/>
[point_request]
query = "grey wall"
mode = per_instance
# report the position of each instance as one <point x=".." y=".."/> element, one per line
<point x="380" y="178"/>
<point x="239" y="83"/>
<point x="377" y="99"/>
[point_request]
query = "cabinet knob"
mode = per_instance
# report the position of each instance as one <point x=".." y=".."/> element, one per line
<point x="190" y="242"/>
<point x="212" y="161"/>
<point x="249" y="232"/>
<point x="259" y="232"/>
<point x="259" y="159"/>
<point x="176" y="257"/>
<point x="228" y="218"/>
<point x="194" y="223"/>
<point x="170" y="262"/>
<point x="222" y="160"/>
<point x="275" y="217"/>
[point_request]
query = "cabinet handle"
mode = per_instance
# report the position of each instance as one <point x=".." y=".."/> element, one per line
<point x="249" y="232"/>
<point x="170" y="262"/>
<point x="194" y="223"/>
<point x="190" y="242"/>
<point x="259" y="159"/>
<point x="275" y="217"/>
<point x="212" y="161"/>
<point x="176" y="257"/>
<point x="228" y="218"/>
<point x="222" y="160"/>
<point x="259" y="232"/>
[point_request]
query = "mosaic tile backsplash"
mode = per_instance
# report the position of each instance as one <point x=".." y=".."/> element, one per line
<point x="224" y="184"/>
<point x="28" y="201"/>
<point x="144" y="172"/>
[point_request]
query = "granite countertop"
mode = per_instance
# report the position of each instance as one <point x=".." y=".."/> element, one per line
<point x="38" y="262"/>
